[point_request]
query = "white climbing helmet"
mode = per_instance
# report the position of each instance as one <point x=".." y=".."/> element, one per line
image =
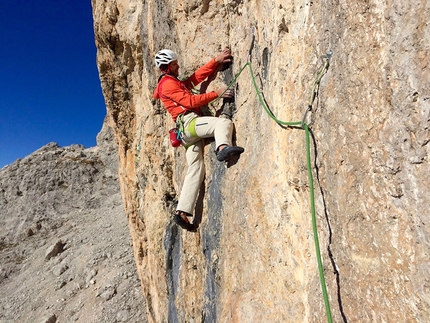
<point x="164" y="56"/>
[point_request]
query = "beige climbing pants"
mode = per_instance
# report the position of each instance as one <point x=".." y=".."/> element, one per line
<point x="205" y="127"/>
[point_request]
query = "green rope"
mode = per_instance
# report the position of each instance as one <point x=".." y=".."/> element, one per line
<point x="263" y="103"/>
<point x="309" y="166"/>
<point x="260" y="97"/>
<point x="323" y="69"/>
<point x="231" y="83"/>
<point x="311" y="187"/>
<point x="314" y="225"/>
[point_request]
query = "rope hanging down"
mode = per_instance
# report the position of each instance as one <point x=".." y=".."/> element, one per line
<point x="311" y="186"/>
<point x="324" y="68"/>
<point x="305" y="127"/>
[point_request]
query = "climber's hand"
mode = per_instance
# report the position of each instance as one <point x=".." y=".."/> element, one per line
<point x="228" y="94"/>
<point x="224" y="56"/>
<point x="225" y="94"/>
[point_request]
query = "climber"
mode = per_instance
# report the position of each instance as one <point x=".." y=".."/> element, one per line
<point x="184" y="108"/>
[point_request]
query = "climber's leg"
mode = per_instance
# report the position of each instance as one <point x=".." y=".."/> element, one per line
<point x="193" y="178"/>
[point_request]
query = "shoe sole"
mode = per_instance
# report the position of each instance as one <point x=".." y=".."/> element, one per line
<point x="181" y="222"/>
<point x="230" y="152"/>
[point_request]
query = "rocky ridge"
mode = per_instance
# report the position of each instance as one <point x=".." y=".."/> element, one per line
<point x="65" y="248"/>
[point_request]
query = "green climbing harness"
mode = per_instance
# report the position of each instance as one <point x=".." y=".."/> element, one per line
<point x="181" y="129"/>
<point x="180" y="125"/>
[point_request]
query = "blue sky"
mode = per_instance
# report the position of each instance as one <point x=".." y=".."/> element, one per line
<point x="49" y="84"/>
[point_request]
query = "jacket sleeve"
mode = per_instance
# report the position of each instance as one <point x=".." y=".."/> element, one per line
<point x="174" y="91"/>
<point x="201" y="74"/>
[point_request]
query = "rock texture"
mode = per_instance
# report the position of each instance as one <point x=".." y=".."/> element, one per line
<point x="65" y="248"/>
<point x="253" y="257"/>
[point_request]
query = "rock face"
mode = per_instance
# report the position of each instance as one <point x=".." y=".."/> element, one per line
<point x="253" y="256"/>
<point x="65" y="249"/>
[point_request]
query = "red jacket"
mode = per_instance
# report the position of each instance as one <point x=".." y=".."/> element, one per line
<point x="176" y="95"/>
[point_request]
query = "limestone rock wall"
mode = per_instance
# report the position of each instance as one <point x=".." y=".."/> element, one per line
<point x="253" y="256"/>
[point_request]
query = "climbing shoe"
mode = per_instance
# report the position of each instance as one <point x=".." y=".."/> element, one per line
<point x="228" y="151"/>
<point x="181" y="219"/>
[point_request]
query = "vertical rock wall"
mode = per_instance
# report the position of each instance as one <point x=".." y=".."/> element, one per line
<point x="253" y="257"/>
